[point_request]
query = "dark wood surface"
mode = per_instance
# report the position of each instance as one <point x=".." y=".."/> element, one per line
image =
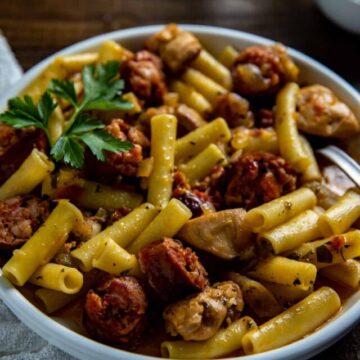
<point x="38" y="28"/>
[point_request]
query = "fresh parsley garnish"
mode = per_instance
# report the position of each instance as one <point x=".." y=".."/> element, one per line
<point x="24" y="113"/>
<point x="102" y="90"/>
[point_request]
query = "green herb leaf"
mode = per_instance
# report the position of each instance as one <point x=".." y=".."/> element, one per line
<point x="101" y="140"/>
<point x="64" y="89"/>
<point x="70" y="150"/>
<point x="84" y="123"/>
<point x="23" y="113"/>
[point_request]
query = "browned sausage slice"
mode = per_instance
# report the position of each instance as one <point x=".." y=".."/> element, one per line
<point x="115" y="311"/>
<point x="172" y="270"/>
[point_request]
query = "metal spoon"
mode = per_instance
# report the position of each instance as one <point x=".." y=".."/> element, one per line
<point x="343" y="161"/>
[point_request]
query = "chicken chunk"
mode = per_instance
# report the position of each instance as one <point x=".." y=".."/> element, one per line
<point x="144" y="75"/>
<point x="258" y="177"/>
<point x="172" y="270"/>
<point x="263" y="69"/>
<point x="201" y="316"/>
<point x="20" y="217"/>
<point x="115" y="311"/>
<point x="176" y="48"/>
<point x="223" y="233"/>
<point x="234" y="109"/>
<point x="321" y="113"/>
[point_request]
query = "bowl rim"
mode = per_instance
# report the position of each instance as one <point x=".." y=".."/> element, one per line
<point x="81" y="346"/>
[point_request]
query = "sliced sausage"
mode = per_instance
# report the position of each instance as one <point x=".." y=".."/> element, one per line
<point x="172" y="270"/>
<point x="115" y="311"/>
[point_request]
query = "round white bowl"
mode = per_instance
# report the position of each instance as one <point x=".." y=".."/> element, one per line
<point x="63" y="333"/>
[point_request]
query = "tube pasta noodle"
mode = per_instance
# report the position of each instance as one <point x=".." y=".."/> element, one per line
<point x="276" y="212"/>
<point x="281" y="270"/>
<point x="203" y="84"/>
<point x="339" y="217"/>
<point x="75" y="63"/>
<point x="197" y="140"/>
<point x="337" y="249"/>
<point x="287" y="294"/>
<point x="122" y="232"/>
<point x="53" y="300"/>
<point x="30" y="174"/>
<point x="257" y="296"/>
<point x="54" y="70"/>
<point x="43" y="245"/>
<point x="346" y="273"/>
<point x="294" y="323"/>
<point x="228" y="56"/>
<point x="58" y="277"/>
<point x="200" y="165"/>
<point x="112" y="258"/>
<point x="167" y="223"/>
<point x="163" y="137"/>
<point x="298" y="230"/>
<point x="93" y="195"/>
<point x="189" y="96"/>
<point x="312" y="172"/>
<point x="255" y="139"/>
<point x="214" y="69"/>
<point x="290" y="146"/>
<point x="224" y="342"/>
<point x="112" y="51"/>
<point x="56" y="124"/>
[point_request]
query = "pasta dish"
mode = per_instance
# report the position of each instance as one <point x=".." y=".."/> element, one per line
<point x="171" y="198"/>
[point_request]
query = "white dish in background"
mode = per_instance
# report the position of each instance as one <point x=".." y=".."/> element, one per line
<point x="345" y="13"/>
<point x="59" y="331"/>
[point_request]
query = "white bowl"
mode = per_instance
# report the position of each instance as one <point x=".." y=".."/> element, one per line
<point x="62" y="333"/>
<point x="344" y="13"/>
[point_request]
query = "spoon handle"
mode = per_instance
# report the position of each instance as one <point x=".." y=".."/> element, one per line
<point x="343" y="161"/>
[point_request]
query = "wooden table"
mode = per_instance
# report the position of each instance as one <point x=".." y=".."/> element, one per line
<point x="38" y="28"/>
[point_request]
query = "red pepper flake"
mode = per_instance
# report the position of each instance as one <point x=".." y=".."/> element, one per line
<point x="337" y="242"/>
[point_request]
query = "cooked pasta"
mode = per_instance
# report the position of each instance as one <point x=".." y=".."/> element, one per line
<point x="163" y="130"/>
<point x="294" y="323"/>
<point x="278" y="211"/>
<point x="30" y="174"/>
<point x="290" y="145"/>
<point x="44" y="244"/>
<point x="58" y="277"/>
<point x="123" y="232"/>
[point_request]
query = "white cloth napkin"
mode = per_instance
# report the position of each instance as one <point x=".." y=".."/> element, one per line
<point x="17" y="342"/>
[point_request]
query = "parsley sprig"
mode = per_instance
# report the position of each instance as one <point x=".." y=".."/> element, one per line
<point x="102" y="90"/>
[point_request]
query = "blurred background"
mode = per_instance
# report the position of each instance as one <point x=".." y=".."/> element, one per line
<point x="38" y="28"/>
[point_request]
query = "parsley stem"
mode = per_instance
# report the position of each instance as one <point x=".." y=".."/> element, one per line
<point x="69" y="123"/>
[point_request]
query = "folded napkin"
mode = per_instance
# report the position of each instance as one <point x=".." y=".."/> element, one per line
<point x="17" y="342"/>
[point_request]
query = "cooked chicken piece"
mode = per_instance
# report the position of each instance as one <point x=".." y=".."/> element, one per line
<point x="262" y="69"/>
<point x="144" y="76"/>
<point x="201" y="316"/>
<point x="176" y="48"/>
<point x="321" y="113"/>
<point x="234" y="109"/>
<point x="223" y="233"/>
<point x="189" y="118"/>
